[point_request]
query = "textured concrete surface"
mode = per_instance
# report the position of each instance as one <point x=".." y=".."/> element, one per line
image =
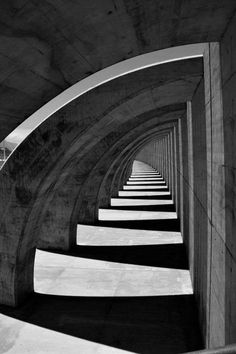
<point x="85" y="151"/>
<point x="48" y="46"/>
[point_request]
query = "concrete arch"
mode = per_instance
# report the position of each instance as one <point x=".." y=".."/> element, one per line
<point x="91" y="192"/>
<point x="28" y="180"/>
<point x="46" y="53"/>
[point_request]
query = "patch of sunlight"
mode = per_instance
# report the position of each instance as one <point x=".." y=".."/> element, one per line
<point x="139" y="202"/>
<point x="144" y="182"/>
<point x="114" y="214"/>
<point x="141" y="193"/>
<point x="143" y="187"/>
<point x="108" y="236"/>
<point x="58" y="274"/>
<point x="20" y="337"/>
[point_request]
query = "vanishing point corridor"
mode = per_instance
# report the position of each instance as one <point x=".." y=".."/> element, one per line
<point x="125" y="288"/>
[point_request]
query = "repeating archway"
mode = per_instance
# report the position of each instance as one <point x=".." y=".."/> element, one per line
<point x="47" y="170"/>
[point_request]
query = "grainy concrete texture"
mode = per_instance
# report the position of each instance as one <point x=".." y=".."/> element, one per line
<point x="72" y="181"/>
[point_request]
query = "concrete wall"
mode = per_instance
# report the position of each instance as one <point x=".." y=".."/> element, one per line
<point x="228" y="165"/>
<point x="211" y="179"/>
<point x="198" y="208"/>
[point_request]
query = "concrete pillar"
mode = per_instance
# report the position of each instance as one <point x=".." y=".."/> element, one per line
<point x="190" y="191"/>
<point x="200" y="202"/>
<point x="181" y="196"/>
<point x="184" y="145"/>
<point x="215" y="198"/>
<point x="228" y="167"/>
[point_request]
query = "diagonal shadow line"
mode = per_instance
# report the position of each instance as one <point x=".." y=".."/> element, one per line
<point x="162" y="256"/>
<point x="157" y="324"/>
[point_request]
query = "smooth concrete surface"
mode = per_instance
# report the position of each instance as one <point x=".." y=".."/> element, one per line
<point x="142" y="193"/>
<point x="57" y="274"/>
<point x="110" y="236"/>
<point x="145" y="179"/>
<point x="145" y="182"/>
<point x="152" y="187"/>
<point x="114" y="214"/>
<point x="138" y="202"/>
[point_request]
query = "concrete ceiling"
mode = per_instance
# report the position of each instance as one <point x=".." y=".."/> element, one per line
<point x="46" y="46"/>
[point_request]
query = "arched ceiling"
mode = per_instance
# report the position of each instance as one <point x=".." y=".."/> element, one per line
<point x="46" y="46"/>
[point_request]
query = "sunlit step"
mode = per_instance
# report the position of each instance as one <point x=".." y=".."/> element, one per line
<point x="143" y="187"/>
<point x="25" y="337"/>
<point x="141" y="193"/>
<point x="144" y="176"/>
<point x="139" y="202"/>
<point x="109" y="236"/>
<point x="146" y="179"/>
<point x="113" y="214"/>
<point x="64" y="275"/>
<point x="144" y="182"/>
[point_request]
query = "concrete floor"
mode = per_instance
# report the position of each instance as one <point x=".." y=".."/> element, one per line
<point x="121" y="290"/>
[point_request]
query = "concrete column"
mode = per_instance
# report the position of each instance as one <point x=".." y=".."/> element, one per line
<point x="228" y="164"/>
<point x="181" y="197"/>
<point x="190" y="190"/>
<point x="215" y="198"/>
<point x="169" y="163"/>
<point x="177" y="159"/>
<point x="172" y="165"/>
<point x="200" y="202"/>
<point x="176" y="166"/>
<point x="184" y="144"/>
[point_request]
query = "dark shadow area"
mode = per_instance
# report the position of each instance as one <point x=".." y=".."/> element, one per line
<point x="160" y="225"/>
<point x="145" y="325"/>
<point x="164" y="256"/>
<point x="163" y="207"/>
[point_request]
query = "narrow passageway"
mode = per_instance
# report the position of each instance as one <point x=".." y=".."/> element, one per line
<point x="125" y="288"/>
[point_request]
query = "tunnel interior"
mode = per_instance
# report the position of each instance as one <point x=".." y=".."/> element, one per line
<point x="117" y="231"/>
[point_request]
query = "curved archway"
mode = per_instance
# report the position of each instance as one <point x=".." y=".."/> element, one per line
<point x="30" y="180"/>
<point x="115" y="71"/>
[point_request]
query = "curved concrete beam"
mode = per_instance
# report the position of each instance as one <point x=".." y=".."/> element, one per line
<point x="113" y="72"/>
